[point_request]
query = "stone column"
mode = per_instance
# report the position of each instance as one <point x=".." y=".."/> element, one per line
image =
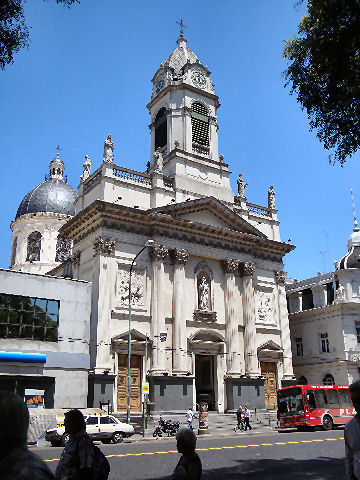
<point x="280" y="277"/>
<point x="187" y="130"/>
<point x="251" y="361"/>
<point x="213" y="126"/>
<point x="180" y="258"/>
<point x="232" y="333"/>
<point x="158" y="254"/>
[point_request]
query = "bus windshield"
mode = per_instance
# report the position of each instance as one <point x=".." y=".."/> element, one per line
<point x="290" y="402"/>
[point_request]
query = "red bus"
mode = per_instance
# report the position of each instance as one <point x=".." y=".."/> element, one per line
<point x="307" y="406"/>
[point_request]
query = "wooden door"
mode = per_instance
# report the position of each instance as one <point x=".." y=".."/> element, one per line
<point x="135" y="383"/>
<point x="268" y="370"/>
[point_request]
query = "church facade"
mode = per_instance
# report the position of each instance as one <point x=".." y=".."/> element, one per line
<point x="208" y="307"/>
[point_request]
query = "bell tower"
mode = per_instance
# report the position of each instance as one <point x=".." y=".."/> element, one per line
<point x="184" y="129"/>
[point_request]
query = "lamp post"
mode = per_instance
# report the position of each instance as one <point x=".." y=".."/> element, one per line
<point x="147" y="244"/>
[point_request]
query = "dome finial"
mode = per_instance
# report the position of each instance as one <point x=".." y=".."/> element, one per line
<point x="181" y="41"/>
<point x="356" y="228"/>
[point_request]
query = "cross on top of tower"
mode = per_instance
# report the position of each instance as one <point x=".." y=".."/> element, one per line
<point x="58" y="150"/>
<point x="182" y="26"/>
<point x="356" y="228"/>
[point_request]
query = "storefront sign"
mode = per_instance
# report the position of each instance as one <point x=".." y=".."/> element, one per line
<point x="145" y="386"/>
<point x="34" y="398"/>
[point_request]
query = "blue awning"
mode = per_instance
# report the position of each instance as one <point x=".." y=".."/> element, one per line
<point x="22" y="357"/>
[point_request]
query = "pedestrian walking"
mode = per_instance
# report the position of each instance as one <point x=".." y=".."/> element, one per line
<point x="16" y="461"/>
<point x="189" y="466"/>
<point x="189" y="418"/>
<point x="80" y="459"/>
<point x="247" y="419"/>
<point x="240" y="419"/>
<point x="352" y="436"/>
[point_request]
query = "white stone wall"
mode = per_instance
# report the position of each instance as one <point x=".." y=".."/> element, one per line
<point x="68" y="359"/>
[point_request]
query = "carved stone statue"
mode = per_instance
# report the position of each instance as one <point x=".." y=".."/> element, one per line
<point x="158" y="161"/>
<point x="86" y="168"/>
<point x="271" y="198"/>
<point x="340" y="294"/>
<point x="241" y="186"/>
<point x="108" y="156"/>
<point x="203" y="293"/>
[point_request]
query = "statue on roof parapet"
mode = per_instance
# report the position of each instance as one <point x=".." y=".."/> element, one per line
<point x="108" y="156"/>
<point x="86" y="169"/>
<point x="241" y="186"/>
<point x="271" y="198"/>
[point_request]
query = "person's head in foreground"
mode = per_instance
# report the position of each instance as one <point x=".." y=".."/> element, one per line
<point x="14" y="422"/>
<point x="354" y="390"/>
<point x="74" y="422"/>
<point x="186" y="441"/>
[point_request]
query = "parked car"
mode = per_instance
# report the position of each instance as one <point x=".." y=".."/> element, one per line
<point x="100" y="427"/>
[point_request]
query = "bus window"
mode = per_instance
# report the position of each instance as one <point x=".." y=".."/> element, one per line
<point x="310" y="397"/>
<point x="333" y="399"/>
<point x="320" y="397"/>
<point x="344" y="398"/>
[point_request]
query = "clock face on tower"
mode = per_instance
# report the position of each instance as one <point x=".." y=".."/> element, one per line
<point x="159" y="84"/>
<point x="198" y="79"/>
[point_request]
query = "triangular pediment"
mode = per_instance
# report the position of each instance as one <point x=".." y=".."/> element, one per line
<point x="209" y="211"/>
<point x="135" y="335"/>
<point x="270" y="345"/>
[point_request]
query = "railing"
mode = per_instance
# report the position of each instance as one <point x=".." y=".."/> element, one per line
<point x="200" y="149"/>
<point x="133" y="175"/>
<point x="258" y="209"/>
<point x="168" y="182"/>
<point x="92" y="181"/>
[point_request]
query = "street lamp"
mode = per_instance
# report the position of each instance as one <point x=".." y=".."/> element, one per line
<point x="147" y="244"/>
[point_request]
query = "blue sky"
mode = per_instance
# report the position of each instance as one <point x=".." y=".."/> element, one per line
<point x="88" y="73"/>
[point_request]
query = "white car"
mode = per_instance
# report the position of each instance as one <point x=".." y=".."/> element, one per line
<point x="100" y="427"/>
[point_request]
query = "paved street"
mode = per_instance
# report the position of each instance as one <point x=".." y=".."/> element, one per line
<point x="311" y="455"/>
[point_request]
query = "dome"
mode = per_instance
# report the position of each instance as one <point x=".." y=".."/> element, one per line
<point x="180" y="56"/>
<point x="54" y="195"/>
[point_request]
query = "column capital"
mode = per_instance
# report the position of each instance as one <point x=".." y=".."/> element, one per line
<point x="280" y="277"/>
<point x="179" y="256"/>
<point x="75" y="258"/>
<point x="158" y="252"/>
<point x="229" y="265"/>
<point x="247" y="269"/>
<point x="104" y="246"/>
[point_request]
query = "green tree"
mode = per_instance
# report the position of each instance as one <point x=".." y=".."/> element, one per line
<point x="14" y="33"/>
<point x="324" y="73"/>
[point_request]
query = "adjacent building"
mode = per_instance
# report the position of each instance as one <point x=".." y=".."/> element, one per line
<point x="324" y="318"/>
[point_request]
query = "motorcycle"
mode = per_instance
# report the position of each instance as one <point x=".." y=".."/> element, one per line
<point x="166" y="426"/>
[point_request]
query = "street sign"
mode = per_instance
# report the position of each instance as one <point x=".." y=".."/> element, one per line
<point x="146" y="388"/>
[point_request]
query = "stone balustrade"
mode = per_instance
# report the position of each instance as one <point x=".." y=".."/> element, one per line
<point x="92" y="181"/>
<point x="258" y="209"/>
<point x="132" y="175"/>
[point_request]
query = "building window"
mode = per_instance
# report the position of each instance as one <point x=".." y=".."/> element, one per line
<point x="63" y="248"/>
<point x="13" y="252"/>
<point x="307" y="299"/>
<point x="328" y="379"/>
<point x="324" y="343"/>
<point x="299" y="347"/>
<point x="302" y="380"/>
<point x="357" y="327"/>
<point x="28" y="317"/>
<point x="33" y="247"/>
<point x="160" y="129"/>
<point x="200" y="124"/>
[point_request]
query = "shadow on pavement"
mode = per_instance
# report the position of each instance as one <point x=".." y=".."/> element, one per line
<point x="323" y="468"/>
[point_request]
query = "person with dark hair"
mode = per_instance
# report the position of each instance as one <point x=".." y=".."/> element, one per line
<point x="247" y="419"/>
<point x="352" y="436"/>
<point x="77" y="458"/>
<point x="240" y="419"/>
<point x="189" y="466"/>
<point x="16" y="461"/>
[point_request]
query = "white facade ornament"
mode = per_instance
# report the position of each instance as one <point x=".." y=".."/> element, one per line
<point x="280" y="277"/>
<point x="271" y="198"/>
<point x="137" y="288"/>
<point x="108" y="156"/>
<point x="241" y="186"/>
<point x="264" y="306"/>
<point x="104" y="246"/>
<point x="86" y="168"/>
<point x="340" y="294"/>
<point x="158" y="161"/>
<point x="353" y="357"/>
<point x="203" y="293"/>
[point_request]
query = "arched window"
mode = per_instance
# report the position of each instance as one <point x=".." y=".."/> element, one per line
<point x="160" y="129"/>
<point x="200" y="124"/>
<point x="63" y="248"/>
<point x="302" y="380"/>
<point x="33" y="247"/>
<point x="13" y="252"/>
<point x="328" y="379"/>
